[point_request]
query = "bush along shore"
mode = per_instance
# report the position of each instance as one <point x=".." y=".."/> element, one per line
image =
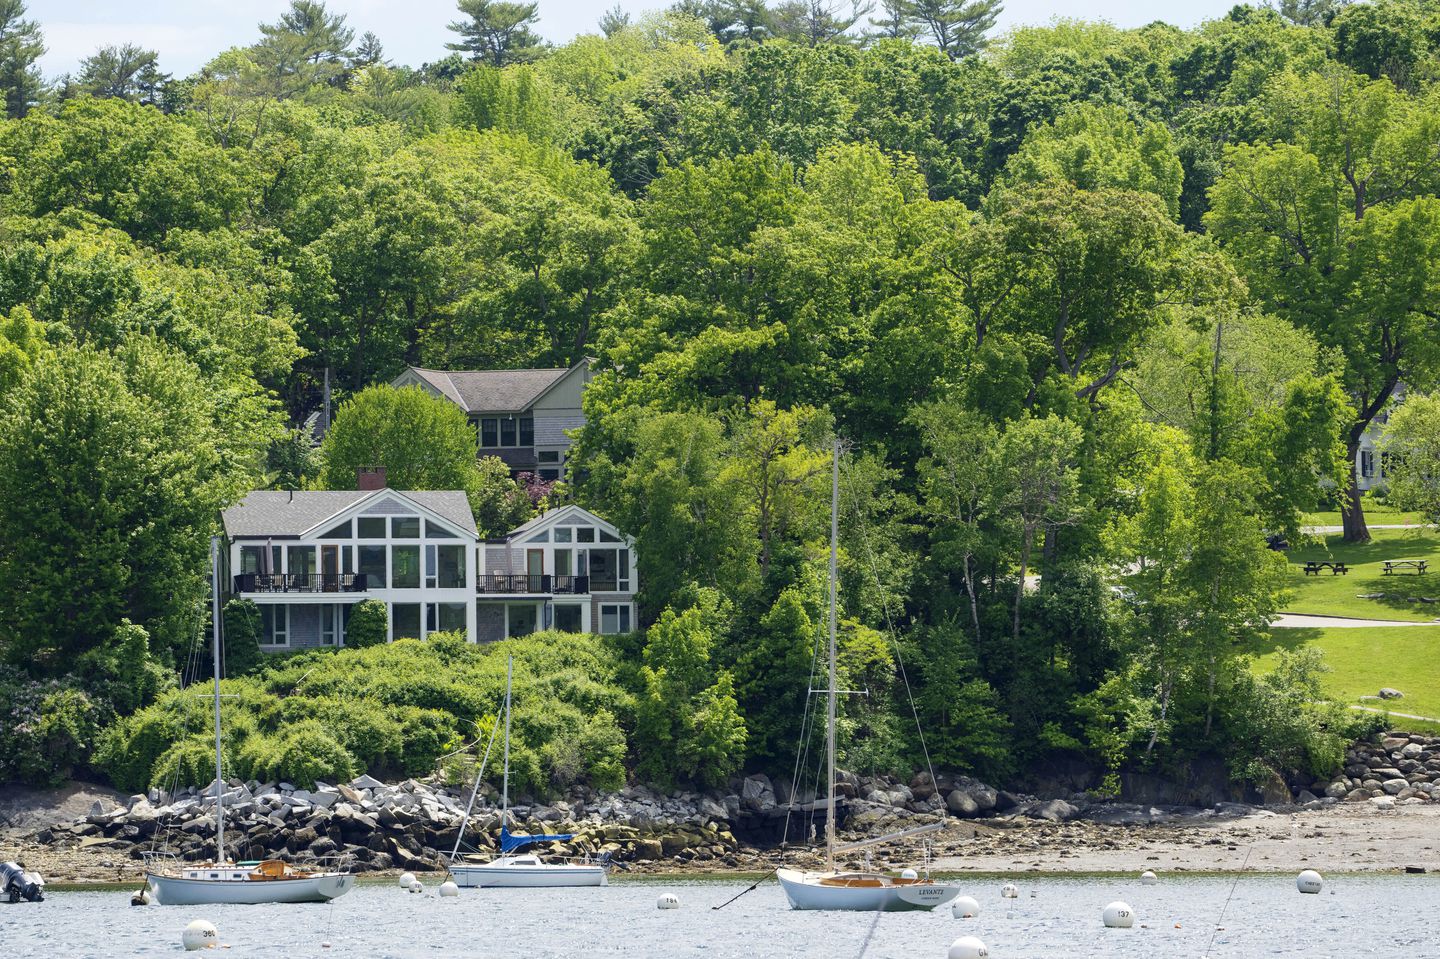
<point x="413" y="824"/>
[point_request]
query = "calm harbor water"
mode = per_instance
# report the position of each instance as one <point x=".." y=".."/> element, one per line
<point x="1365" y="916"/>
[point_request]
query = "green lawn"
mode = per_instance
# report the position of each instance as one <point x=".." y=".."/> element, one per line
<point x="1363" y="660"/>
<point x="1330" y="595"/>
<point x="1375" y="513"/>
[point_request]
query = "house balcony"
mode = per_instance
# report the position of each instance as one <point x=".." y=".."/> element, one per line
<point x="534" y="585"/>
<point x="301" y="583"/>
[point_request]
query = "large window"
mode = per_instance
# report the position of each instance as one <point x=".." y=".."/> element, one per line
<point x="568" y="617"/>
<point x="301" y="560"/>
<point x="444" y="566"/>
<point x="252" y="559"/>
<point x="405" y="527"/>
<point x="372" y="564"/>
<point x="615" y="618"/>
<point x="448" y="617"/>
<point x="405" y="567"/>
<point x="506" y="431"/>
<point x="405" y="620"/>
<point x="333" y="618"/>
<point x="274" y="625"/>
<point x="371" y="527"/>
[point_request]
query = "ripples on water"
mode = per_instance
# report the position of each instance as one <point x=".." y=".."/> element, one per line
<point x="1365" y="916"/>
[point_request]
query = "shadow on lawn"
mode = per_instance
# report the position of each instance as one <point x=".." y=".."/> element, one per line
<point x="1278" y="639"/>
<point x="1409" y="544"/>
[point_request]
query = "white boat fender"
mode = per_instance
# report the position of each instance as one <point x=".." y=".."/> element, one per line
<point x="1009" y="891"/>
<point x="200" y="934"/>
<point x="407" y="879"/>
<point x="667" y="900"/>
<point x="1309" y="881"/>
<point x="965" y="908"/>
<point x="449" y="889"/>
<point x="1148" y="878"/>
<point x="1118" y="915"/>
<point x="909" y="874"/>
<point x="967" y="947"/>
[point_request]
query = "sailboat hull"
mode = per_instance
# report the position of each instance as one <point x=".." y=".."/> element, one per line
<point x="177" y="891"/>
<point x="862" y="892"/>
<point x="499" y="875"/>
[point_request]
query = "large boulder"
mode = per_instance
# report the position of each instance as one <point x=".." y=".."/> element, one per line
<point x="961" y="804"/>
<point x="1052" y="810"/>
<point x="757" y="793"/>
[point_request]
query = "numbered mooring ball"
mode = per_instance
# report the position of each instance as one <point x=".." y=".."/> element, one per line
<point x="1309" y="881"/>
<point x="967" y="947"/>
<point x="200" y="934"/>
<point x="1118" y="915"/>
<point x="1009" y="891"/>
<point x="909" y="874"/>
<point x="417" y="886"/>
<point x="965" y="908"/>
<point x="1148" y="878"/>
<point x="668" y="900"/>
<point x="449" y="889"/>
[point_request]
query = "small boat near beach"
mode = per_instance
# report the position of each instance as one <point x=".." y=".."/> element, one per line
<point x="170" y="883"/>
<point x="513" y="869"/>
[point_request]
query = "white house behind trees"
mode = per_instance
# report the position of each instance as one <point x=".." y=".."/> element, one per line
<point x="306" y="558"/>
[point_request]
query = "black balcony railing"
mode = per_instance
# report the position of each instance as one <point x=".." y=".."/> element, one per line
<point x="528" y="583"/>
<point x="301" y="583"/>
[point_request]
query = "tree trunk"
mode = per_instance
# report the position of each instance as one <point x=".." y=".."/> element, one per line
<point x="1024" y="568"/>
<point x="969" y="576"/>
<point x="1352" y="508"/>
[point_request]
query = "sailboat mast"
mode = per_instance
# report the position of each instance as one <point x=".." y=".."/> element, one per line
<point x="505" y="783"/>
<point x="215" y="655"/>
<point x="830" y="707"/>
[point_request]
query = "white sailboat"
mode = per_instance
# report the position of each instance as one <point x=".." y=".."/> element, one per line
<point x="836" y="889"/>
<point x="263" y="881"/>
<point x="512" y="869"/>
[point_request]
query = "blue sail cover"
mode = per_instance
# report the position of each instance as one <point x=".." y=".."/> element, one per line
<point x="510" y="843"/>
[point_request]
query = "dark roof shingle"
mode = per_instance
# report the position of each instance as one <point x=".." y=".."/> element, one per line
<point x="491" y="391"/>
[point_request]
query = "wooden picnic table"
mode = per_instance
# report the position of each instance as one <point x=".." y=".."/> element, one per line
<point x="1420" y="566"/>
<point x="1313" y="568"/>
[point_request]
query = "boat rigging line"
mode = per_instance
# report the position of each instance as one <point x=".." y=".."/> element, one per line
<point x="750" y="888"/>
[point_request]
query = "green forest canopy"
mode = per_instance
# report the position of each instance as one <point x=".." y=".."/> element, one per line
<point x="1087" y="304"/>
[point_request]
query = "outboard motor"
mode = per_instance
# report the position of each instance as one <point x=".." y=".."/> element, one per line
<point x="17" y="884"/>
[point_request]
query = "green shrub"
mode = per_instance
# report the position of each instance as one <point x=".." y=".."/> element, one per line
<point x="242" y="634"/>
<point x="368" y="625"/>
<point x="189" y="762"/>
<point x="50" y="727"/>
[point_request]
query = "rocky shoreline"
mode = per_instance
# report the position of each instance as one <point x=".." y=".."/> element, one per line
<point x="413" y="825"/>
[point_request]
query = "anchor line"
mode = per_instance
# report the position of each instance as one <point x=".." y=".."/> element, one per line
<point x="751" y="888"/>
<point x="1209" y="945"/>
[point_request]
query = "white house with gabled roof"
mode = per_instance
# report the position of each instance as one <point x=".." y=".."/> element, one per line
<point x="566" y="569"/>
<point x="307" y="557"/>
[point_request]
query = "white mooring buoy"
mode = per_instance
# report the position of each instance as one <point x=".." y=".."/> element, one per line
<point x="407" y="879"/>
<point x="1148" y="878"/>
<point x="449" y="889"/>
<point x="965" y="907"/>
<point x="909" y="874"/>
<point x="1309" y="881"/>
<point x="199" y="935"/>
<point x="667" y="900"/>
<point x="1118" y="915"/>
<point x="967" y="947"/>
<point x="1009" y="891"/>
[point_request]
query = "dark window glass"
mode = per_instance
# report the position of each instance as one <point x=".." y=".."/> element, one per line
<point x="489" y="433"/>
<point x="434" y="531"/>
<point x="405" y="527"/>
<point x="507" y="432"/>
<point x="452" y="617"/>
<point x="405" y="567"/>
<point x="340" y="532"/>
<point x="548" y="456"/>
<point x="584" y="534"/>
<point x="372" y="564"/>
<point x="251" y="558"/>
<point x="301" y="560"/>
<point x="371" y="527"/>
<point x="405" y="620"/>
<point x="450" y="566"/>
<point x="527" y="432"/>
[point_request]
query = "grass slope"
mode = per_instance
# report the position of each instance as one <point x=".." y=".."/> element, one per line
<point x="1362" y="661"/>
<point x="1330" y="595"/>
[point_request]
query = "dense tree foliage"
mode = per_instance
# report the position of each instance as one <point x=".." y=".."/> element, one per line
<point x="1094" y="311"/>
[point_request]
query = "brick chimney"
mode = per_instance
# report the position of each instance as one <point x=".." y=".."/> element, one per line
<point x="370" y="478"/>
